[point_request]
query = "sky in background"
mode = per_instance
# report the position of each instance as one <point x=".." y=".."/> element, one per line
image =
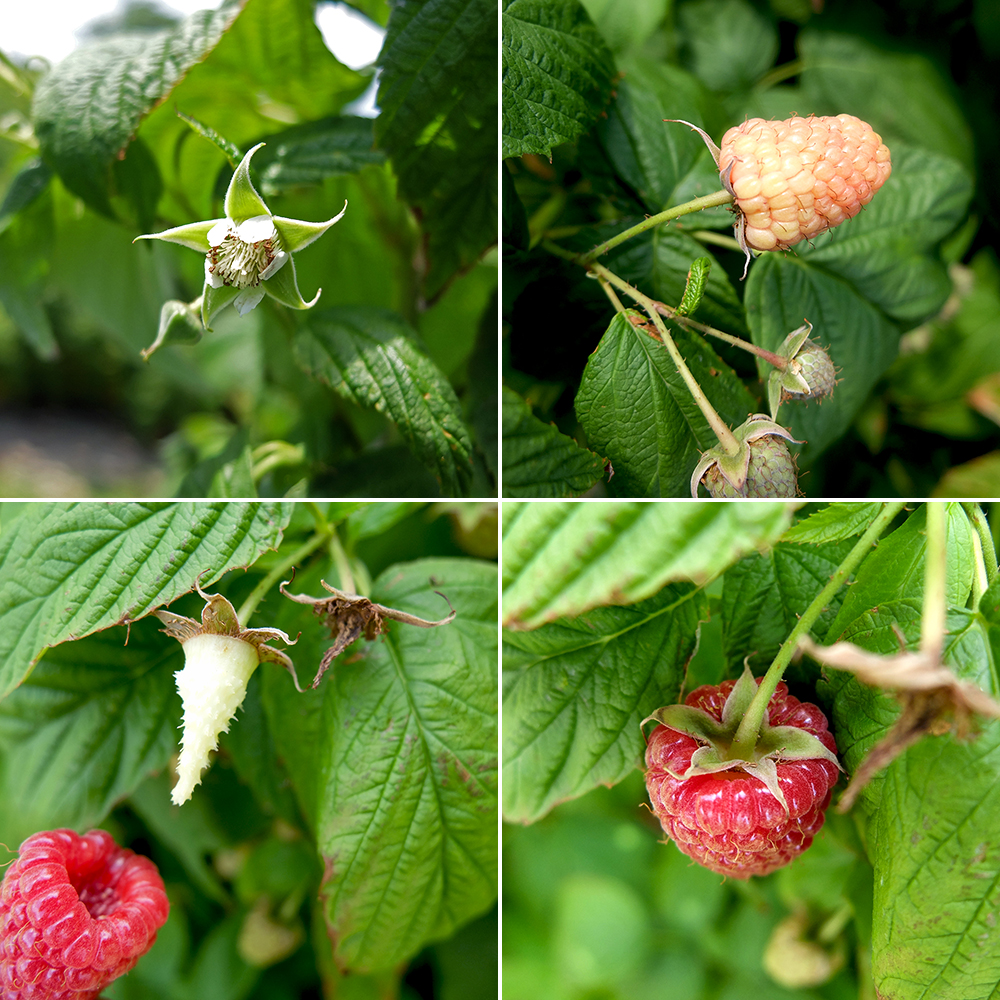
<point x="49" y="28"/>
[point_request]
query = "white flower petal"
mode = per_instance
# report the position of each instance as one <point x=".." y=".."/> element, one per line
<point x="280" y="259"/>
<point x="218" y="232"/>
<point x="248" y="299"/>
<point x="213" y="279"/>
<point x="257" y="229"/>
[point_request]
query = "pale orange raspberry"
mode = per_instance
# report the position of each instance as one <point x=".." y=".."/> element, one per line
<point x="797" y="178"/>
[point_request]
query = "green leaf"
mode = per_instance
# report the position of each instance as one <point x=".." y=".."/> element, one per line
<point x="367" y="355"/>
<point x="564" y="558"/>
<point x="88" y="107"/>
<point x="901" y="95"/>
<point x="576" y="690"/>
<point x="557" y="74"/>
<point x="886" y="252"/>
<point x="781" y="292"/>
<point x="309" y="153"/>
<point x="30" y="181"/>
<point x="727" y="43"/>
<point x="652" y="156"/>
<point x="437" y="122"/>
<point x="834" y="522"/>
<point x="91" y="722"/>
<point x="407" y="818"/>
<point x="109" y="565"/>
<point x="538" y="460"/>
<point x="626" y="24"/>
<point x="26" y="242"/>
<point x="638" y="412"/>
<point x="233" y="152"/>
<point x="764" y="595"/>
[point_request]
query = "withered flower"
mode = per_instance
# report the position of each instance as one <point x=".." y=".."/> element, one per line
<point x="934" y="701"/>
<point x="350" y="615"/>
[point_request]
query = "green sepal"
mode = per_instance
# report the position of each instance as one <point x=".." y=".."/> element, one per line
<point x="180" y="323"/>
<point x="283" y="287"/>
<point x="214" y="300"/>
<point x="296" y="234"/>
<point x="193" y="235"/>
<point x="697" y="277"/>
<point x="242" y="200"/>
<point x="734" y="467"/>
<point x="791" y="743"/>
<point x="774" y="392"/>
<point x="695" y="722"/>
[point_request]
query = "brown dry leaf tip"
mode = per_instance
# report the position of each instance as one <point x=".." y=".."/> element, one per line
<point x="350" y="615"/>
<point x="934" y="701"/>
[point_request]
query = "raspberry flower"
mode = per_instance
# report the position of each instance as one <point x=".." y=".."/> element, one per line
<point x="248" y="253"/>
<point x="219" y="658"/>
<point x="794" y="179"/>
<point x="75" y="914"/>
<point x="740" y="815"/>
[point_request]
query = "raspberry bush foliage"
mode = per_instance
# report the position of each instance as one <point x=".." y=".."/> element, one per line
<point x="614" y="613"/>
<point x="340" y="838"/>
<point x="226" y="375"/>
<point x="639" y="335"/>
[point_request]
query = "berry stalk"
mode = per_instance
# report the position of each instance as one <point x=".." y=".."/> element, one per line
<point x="932" y="619"/>
<point x="652" y="221"/>
<point x="987" y="555"/>
<point x="746" y="736"/>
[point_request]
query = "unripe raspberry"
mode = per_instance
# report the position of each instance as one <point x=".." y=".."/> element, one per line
<point x="763" y="467"/>
<point x="818" y="371"/>
<point x="794" y="179"/>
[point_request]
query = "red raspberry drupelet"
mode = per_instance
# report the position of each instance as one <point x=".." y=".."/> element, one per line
<point x="729" y="821"/>
<point x="75" y="914"/>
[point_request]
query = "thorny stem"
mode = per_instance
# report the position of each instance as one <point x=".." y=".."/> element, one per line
<point x="718" y="425"/>
<point x="932" y="621"/>
<point x="979" y="522"/>
<point x="746" y="735"/>
<point x="695" y="205"/>
<point x="610" y="292"/>
<point x="773" y="359"/>
<point x="249" y="606"/>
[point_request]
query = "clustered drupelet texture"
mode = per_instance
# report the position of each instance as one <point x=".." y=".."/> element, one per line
<point x="75" y="914"/>
<point x="797" y="178"/>
<point x="770" y="472"/>
<point x="729" y="821"/>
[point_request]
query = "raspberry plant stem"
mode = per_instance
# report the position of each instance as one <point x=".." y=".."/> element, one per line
<point x="932" y="619"/>
<point x="764" y="355"/>
<point x="652" y="221"/>
<point x="749" y="730"/>
<point x="718" y="425"/>
<point x="985" y="538"/>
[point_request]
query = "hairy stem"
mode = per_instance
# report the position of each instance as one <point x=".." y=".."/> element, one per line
<point x="932" y="620"/>
<point x="249" y="606"/>
<point x="985" y="536"/>
<point x="746" y="735"/>
<point x="695" y="205"/>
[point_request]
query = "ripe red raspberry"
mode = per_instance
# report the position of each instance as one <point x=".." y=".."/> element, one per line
<point x="794" y="179"/>
<point x="729" y="820"/>
<point x="75" y="914"/>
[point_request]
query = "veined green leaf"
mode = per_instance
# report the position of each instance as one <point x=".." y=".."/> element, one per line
<point x="557" y="74"/>
<point x="575" y="691"/>
<point x="368" y="356"/>
<point x="564" y="558"/>
<point x="540" y="461"/>
<point x="111" y="564"/>
<point x="407" y="804"/>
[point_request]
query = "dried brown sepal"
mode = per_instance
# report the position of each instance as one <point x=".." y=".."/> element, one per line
<point x="348" y="616"/>
<point x="934" y="701"/>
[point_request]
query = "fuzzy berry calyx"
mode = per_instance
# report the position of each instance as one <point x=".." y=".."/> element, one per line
<point x="762" y="467"/>
<point x="810" y="373"/>
<point x="75" y="914"/>
<point x="747" y="814"/>
<point x="792" y="180"/>
<point x="219" y="658"/>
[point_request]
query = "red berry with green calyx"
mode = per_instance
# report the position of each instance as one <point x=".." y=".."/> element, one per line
<point x="751" y="814"/>
<point x="75" y="914"/>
